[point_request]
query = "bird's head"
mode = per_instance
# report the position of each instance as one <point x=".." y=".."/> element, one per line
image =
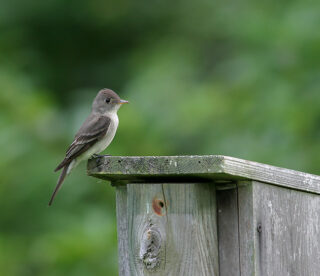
<point x="107" y="101"/>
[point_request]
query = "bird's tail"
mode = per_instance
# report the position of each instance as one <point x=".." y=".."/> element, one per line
<point x="60" y="181"/>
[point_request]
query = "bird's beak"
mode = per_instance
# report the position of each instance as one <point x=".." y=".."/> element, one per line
<point x="123" y="102"/>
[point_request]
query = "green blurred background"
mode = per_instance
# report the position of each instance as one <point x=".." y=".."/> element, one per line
<point x="202" y="77"/>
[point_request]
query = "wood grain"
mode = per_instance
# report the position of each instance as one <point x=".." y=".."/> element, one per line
<point x="122" y="231"/>
<point x="205" y="215"/>
<point x="228" y="232"/>
<point x="288" y="242"/>
<point x="181" y="238"/>
<point x="247" y="230"/>
<point x="198" y="169"/>
<point x="279" y="231"/>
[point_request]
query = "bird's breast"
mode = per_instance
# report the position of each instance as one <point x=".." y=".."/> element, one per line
<point x="107" y="139"/>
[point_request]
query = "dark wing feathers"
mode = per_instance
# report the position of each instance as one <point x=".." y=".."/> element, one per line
<point x="93" y="129"/>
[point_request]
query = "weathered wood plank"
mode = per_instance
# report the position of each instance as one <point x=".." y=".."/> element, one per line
<point x="198" y="169"/>
<point x="175" y="235"/>
<point x="228" y="235"/>
<point x="288" y="242"/>
<point x="247" y="229"/>
<point x="122" y="230"/>
<point x="171" y="229"/>
<point x="279" y="231"/>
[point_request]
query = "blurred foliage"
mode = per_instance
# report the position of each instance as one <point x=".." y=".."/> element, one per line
<point x="203" y="77"/>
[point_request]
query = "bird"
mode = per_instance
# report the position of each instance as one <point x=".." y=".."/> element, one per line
<point x="94" y="136"/>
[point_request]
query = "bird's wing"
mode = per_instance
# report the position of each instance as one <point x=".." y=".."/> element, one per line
<point x="93" y="129"/>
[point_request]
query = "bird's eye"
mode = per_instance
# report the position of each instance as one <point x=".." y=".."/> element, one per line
<point x="108" y="100"/>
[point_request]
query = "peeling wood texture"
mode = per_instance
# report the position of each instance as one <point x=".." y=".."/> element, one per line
<point x="213" y="215"/>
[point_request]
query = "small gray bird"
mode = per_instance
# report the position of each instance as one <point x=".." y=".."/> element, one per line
<point x="94" y="135"/>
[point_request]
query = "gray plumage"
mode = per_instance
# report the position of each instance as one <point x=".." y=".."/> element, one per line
<point x="95" y="134"/>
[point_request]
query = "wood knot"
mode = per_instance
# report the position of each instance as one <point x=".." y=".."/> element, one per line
<point x="150" y="248"/>
<point x="158" y="206"/>
<point x="259" y="228"/>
